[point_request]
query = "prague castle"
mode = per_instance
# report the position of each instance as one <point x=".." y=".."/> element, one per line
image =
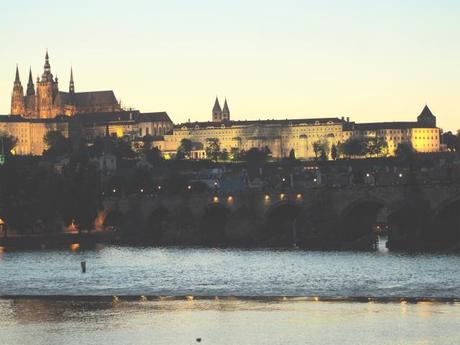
<point x="44" y="107"/>
<point x="46" y="101"/>
<point x="300" y="135"/>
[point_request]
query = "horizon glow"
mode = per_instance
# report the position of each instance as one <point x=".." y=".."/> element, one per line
<point x="369" y="60"/>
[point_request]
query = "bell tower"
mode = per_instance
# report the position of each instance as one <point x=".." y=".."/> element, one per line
<point x="216" y="112"/>
<point x="47" y="88"/>
<point x="17" y="97"/>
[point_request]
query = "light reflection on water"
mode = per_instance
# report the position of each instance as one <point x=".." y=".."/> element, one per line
<point x="228" y="272"/>
<point x="223" y="322"/>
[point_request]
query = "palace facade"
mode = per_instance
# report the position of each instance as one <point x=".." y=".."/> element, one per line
<point x="300" y="135"/>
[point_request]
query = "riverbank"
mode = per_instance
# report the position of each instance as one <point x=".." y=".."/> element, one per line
<point x="226" y="322"/>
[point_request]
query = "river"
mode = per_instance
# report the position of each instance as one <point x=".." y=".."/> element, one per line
<point x="228" y="296"/>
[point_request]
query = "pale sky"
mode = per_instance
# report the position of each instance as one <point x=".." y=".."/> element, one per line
<point x="370" y="60"/>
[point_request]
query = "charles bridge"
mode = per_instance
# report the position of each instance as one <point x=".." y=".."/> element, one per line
<point x="319" y="216"/>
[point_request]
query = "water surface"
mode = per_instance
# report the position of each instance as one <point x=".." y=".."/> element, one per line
<point x="227" y="322"/>
<point x="228" y="272"/>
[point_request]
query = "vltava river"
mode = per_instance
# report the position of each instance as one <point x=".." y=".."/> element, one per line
<point x="228" y="272"/>
<point x="226" y="297"/>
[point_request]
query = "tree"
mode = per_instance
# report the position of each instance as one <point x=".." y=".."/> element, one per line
<point x="405" y="152"/>
<point x="354" y="147"/>
<point x="224" y="155"/>
<point x="185" y="148"/>
<point x="153" y="156"/>
<point x="7" y="144"/>
<point x="334" y="152"/>
<point x="377" y="146"/>
<point x="57" y="143"/>
<point x="321" y="149"/>
<point x="235" y="154"/>
<point x="451" y="141"/>
<point x="292" y="155"/>
<point x="212" y="148"/>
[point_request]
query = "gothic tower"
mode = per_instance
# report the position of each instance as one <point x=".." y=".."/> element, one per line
<point x="17" y="98"/>
<point x="426" y="117"/>
<point x="47" y="89"/>
<point x="29" y="99"/>
<point x="216" y="112"/>
<point x="226" y="112"/>
<point x="71" y="84"/>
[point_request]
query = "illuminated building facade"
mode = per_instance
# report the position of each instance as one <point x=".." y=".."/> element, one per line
<point x="300" y="135"/>
<point x="45" y="100"/>
<point x="30" y="133"/>
<point x="85" y="115"/>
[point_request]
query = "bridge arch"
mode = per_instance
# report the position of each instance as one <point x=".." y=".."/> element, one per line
<point x="362" y="219"/>
<point x="213" y="223"/>
<point x="285" y="224"/>
<point x="156" y="219"/>
<point x="112" y="218"/>
<point x="444" y="230"/>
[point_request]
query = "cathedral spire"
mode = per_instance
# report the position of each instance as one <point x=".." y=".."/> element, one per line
<point x="216" y="111"/>
<point x="71" y="84"/>
<point x="226" y="111"/>
<point x="17" y="80"/>
<point x="47" y="76"/>
<point x="17" y="97"/>
<point x="30" y="84"/>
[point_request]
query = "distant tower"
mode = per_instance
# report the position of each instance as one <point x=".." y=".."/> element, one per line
<point x="17" y="98"/>
<point x="29" y="100"/>
<point x="216" y="112"/>
<point x="47" y="89"/>
<point x="426" y="117"/>
<point x="71" y="84"/>
<point x="226" y="112"/>
<point x="30" y="85"/>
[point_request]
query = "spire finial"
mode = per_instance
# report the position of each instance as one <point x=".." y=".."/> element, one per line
<point x="16" y="79"/>
<point x="30" y="84"/>
<point x="71" y="84"/>
<point x="47" y="61"/>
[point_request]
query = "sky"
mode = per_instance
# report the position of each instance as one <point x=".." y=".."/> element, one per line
<point x="369" y="60"/>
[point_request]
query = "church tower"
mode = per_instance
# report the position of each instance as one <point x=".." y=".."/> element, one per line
<point x="29" y="99"/>
<point x="226" y="112"/>
<point x="216" y="112"/>
<point x="47" y="89"/>
<point x="71" y="84"/>
<point x="17" y="98"/>
<point x="426" y="117"/>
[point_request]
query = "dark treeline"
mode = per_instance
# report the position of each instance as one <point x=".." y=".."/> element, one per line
<point x="34" y="197"/>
